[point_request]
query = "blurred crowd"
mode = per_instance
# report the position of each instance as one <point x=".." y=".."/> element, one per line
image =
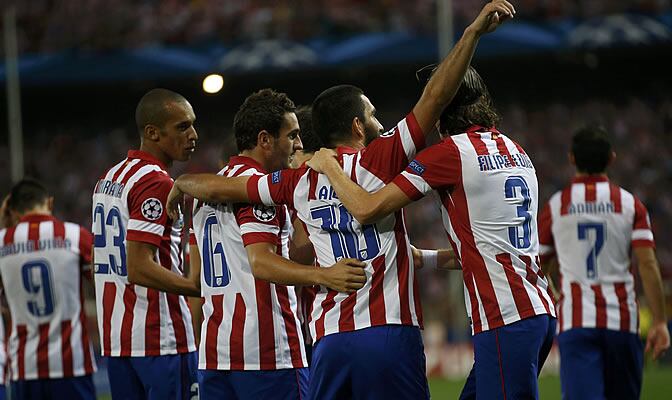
<point x="100" y="25"/>
<point x="640" y="131"/>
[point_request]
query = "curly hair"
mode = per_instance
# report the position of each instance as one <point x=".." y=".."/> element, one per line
<point x="263" y="110"/>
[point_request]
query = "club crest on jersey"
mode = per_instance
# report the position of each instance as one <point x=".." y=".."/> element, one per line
<point x="417" y="167"/>
<point x="275" y="177"/>
<point x="263" y="213"/>
<point x="152" y="209"/>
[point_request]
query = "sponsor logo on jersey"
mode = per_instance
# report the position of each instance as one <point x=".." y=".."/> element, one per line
<point x="152" y="209"/>
<point x="263" y="213"/>
<point x="275" y="177"/>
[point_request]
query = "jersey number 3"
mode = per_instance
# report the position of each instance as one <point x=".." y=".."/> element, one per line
<point x="519" y="240"/>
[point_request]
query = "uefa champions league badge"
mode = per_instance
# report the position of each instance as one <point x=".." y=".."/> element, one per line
<point x="152" y="209"/>
<point x="263" y="213"/>
<point x="275" y="177"/>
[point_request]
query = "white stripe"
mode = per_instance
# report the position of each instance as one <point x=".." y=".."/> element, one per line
<point x="72" y="233"/>
<point x="113" y="170"/>
<point x="406" y="139"/>
<point x="418" y="182"/>
<point x="642" y="234"/>
<point x="546" y="249"/>
<point x="144" y="226"/>
<point x="264" y="191"/>
<point x="144" y="170"/>
<point x="490" y="144"/>
<point x="256" y="227"/>
<point x="127" y="168"/>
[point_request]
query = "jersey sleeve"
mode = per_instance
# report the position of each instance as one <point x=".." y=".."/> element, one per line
<point x="437" y="167"/>
<point x="642" y="235"/>
<point x="276" y="188"/>
<point x="258" y="223"/>
<point x="147" y="211"/>
<point x="546" y="243"/>
<point x="390" y="153"/>
<point x="85" y="245"/>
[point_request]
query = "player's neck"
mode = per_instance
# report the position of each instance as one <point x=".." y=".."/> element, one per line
<point x="257" y="155"/>
<point x="39" y="210"/>
<point x="580" y="174"/>
<point x="353" y="144"/>
<point x="157" y="153"/>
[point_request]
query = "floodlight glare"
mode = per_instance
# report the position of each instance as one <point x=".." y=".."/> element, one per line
<point x="213" y="83"/>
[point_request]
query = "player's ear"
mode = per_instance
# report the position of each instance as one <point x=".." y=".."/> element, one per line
<point x="50" y="203"/>
<point x="151" y="133"/>
<point x="264" y="140"/>
<point x="612" y="158"/>
<point x="358" y="129"/>
<point x="571" y="158"/>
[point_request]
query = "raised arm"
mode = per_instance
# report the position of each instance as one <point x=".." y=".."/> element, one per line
<point x="658" y="338"/>
<point x="448" y="76"/>
<point x="207" y="187"/>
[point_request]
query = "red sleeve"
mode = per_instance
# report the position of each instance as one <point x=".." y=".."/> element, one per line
<point x="546" y="243"/>
<point x="642" y="235"/>
<point x="276" y="188"/>
<point x="390" y="153"/>
<point x="259" y="223"/>
<point x="437" y="167"/>
<point x="85" y="244"/>
<point x="147" y="211"/>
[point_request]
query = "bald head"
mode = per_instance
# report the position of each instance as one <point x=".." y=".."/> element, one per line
<point x="155" y="108"/>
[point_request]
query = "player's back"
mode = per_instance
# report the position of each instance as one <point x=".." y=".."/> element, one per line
<point x="41" y="265"/>
<point x="128" y="204"/>
<point x="249" y="324"/>
<point x="592" y="224"/>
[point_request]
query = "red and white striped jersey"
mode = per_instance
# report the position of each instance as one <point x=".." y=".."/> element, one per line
<point x="3" y="355"/>
<point x="248" y="323"/>
<point x="390" y="295"/>
<point x="487" y="189"/>
<point x="592" y="225"/>
<point x="129" y="204"/>
<point x="42" y="261"/>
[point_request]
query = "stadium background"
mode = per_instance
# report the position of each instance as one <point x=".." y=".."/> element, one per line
<point x="84" y="64"/>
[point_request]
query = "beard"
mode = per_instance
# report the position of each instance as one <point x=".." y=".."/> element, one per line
<point x="370" y="134"/>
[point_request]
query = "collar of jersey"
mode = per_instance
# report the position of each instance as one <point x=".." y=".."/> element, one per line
<point x="590" y="179"/>
<point x="340" y="150"/>
<point x="247" y="161"/>
<point x="36" y="218"/>
<point x="143" y="155"/>
<point x="478" y="129"/>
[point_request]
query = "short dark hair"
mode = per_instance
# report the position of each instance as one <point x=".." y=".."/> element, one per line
<point x="152" y="108"/>
<point x="26" y="194"/>
<point x="591" y="149"/>
<point x="333" y="112"/>
<point x="311" y="142"/>
<point x="263" y="110"/>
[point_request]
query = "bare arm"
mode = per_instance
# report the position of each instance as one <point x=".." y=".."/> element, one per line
<point x="301" y="249"/>
<point x="345" y="276"/>
<point x="207" y="187"/>
<point x="550" y="268"/>
<point x="448" y="76"/>
<point x="658" y="338"/>
<point x="195" y="303"/>
<point x="440" y="259"/>
<point x="144" y="270"/>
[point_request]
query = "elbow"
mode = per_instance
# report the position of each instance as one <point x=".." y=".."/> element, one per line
<point x="367" y="214"/>
<point x="258" y="270"/>
<point x="132" y="276"/>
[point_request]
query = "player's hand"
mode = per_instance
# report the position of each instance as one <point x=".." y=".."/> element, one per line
<point x="321" y="159"/>
<point x="175" y="199"/>
<point x="347" y="275"/>
<point x="492" y="16"/>
<point x="658" y="339"/>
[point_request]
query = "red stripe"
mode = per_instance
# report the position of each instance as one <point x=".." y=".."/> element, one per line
<point x="416" y="133"/>
<point x="615" y="196"/>
<point x="59" y="230"/>
<point x="109" y="293"/>
<point x="9" y="235"/>
<point x="126" y="333"/>
<point x="600" y="307"/>
<point x="565" y="199"/>
<point x="503" y="150"/>
<point x="312" y="182"/>
<point x="353" y="171"/>
<point x="178" y="323"/>
<point x="22" y="333"/>
<point x="520" y="296"/>
<point x="417" y="302"/>
<point x="291" y="328"/>
<point x="590" y="192"/>
<point x="34" y="233"/>
<point x="327" y="304"/>
<point x="577" y="309"/>
<point x="376" y="296"/>
<point x="533" y="278"/>
<point x="346" y="319"/>
<point x="403" y="268"/>
<point x="622" y="295"/>
<point x="116" y="174"/>
<point x="477" y="142"/>
<point x="266" y="325"/>
<point x="641" y="221"/>
<point x="43" y="352"/>
<point x="83" y="322"/>
<point x="519" y="147"/>
<point x="236" y="343"/>
<point x="66" y="348"/>
<point x="152" y="322"/>
<point x="132" y="172"/>
<point x="212" y="331"/>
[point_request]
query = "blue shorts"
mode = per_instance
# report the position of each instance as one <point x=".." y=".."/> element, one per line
<point x="281" y="384"/>
<point x="600" y="363"/>
<point x="508" y="359"/>
<point x="159" y="377"/>
<point x="77" y="388"/>
<point x="383" y="362"/>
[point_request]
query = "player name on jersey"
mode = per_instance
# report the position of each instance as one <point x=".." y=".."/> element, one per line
<point x="30" y="246"/>
<point x="493" y="162"/>
<point x="603" y="207"/>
